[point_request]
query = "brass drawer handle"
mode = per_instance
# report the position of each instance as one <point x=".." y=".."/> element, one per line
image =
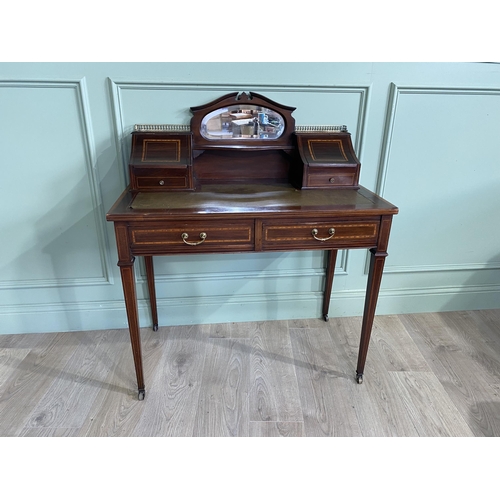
<point x="331" y="232"/>
<point x="185" y="236"/>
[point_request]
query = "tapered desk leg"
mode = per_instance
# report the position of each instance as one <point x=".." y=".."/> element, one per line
<point x="330" y="270"/>
<point x="377" y="260"/>
<point x="150" y="274"/>
<point x="128" y="283"/>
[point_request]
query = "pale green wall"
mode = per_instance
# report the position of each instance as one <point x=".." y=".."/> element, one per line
<point x="427" y="135"/>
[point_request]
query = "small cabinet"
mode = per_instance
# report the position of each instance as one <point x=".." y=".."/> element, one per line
<point x="327" y="160"/>
<point x="160" y="160"/>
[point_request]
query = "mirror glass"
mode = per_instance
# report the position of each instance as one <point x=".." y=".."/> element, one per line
<point x="245" y="121"/>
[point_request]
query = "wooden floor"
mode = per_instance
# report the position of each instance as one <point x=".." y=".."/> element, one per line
<point x="426" y="375"/>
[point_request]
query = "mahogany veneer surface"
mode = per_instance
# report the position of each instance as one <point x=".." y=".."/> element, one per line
<point x="253" y="199"/>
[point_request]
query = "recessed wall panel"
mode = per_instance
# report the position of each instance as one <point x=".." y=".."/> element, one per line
<point x="51" y="226"/>
<point x="149" y="103"/>
<point x="443" y="171"/>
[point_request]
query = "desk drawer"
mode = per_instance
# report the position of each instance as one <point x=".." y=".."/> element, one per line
<point x="159" y="179"/>
<point x="193" y="237"/>
<point x="331" y="177"/>
<point x="320" y="234"/>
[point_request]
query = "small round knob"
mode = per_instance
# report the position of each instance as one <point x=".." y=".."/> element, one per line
<point x="161" y="182"/>
<point x="331" y="180"/>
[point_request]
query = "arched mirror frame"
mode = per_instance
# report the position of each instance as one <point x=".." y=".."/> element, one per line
<point x="285" y="141"/>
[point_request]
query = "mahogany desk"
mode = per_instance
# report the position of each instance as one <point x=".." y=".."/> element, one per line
<point x="192" y="195"/>
<point x="249" y="218"/>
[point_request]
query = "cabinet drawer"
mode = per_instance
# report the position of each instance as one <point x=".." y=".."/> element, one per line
<point x="149" y="179"/>
<point x="318" y="234"/>
<point x="193" y="236"/>
<point x="331" y="177"/>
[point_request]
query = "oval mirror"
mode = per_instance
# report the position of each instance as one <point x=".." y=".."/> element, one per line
<point x="244" y="121"/>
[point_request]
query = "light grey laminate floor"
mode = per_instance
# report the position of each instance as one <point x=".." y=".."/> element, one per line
<point x="426" y="375"/>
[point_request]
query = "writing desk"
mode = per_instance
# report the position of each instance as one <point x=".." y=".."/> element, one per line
<point x="250" y="213"/>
